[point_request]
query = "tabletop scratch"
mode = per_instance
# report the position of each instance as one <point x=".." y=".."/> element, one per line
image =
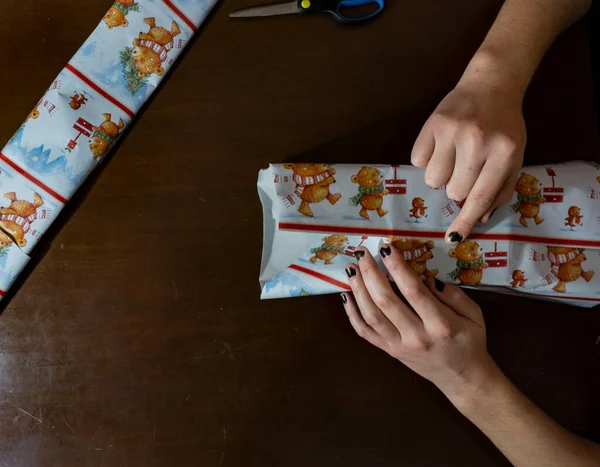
<point x="176" y="291"/>
<point x="26" y="413"/>
<point x="224" y="430"/>
<point x="68" y="425"/>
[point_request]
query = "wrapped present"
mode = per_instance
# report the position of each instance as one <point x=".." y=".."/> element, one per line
<point x="544" y="244"/>
<point x="82" y="115"/>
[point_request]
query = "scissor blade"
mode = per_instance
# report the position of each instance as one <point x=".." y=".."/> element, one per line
<point x="267" y="10"/>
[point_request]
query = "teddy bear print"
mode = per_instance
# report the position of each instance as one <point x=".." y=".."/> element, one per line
<point x="566" y="266"/>
<point x="529" y="198"/>
<point x="370" y="191"/>
<point x="519" y="278"/>
<point x="34" y="114"/>
<point x="105" y="136"/>
<point x="312" y="185"/>
<point x="16" y="219"/>
<point x="416" y="253"/>
<point x="574" y="217"/>
<point x="418" y="209"/>
<point x="116" y="16"/>
<point x="332" y="246"/>
<point x="151" y="48"/>
<point x="469" y="263"/>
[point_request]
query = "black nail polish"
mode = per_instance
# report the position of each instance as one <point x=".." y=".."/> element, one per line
<point x="385" y="251"/>
<point x="439" y="285"/>
<point x="344" y="298"/>
<point x="455" y="237"/>
<point x="492" y="213"/>
<point x="358" y="254"/>
<point x="351" y="272"/>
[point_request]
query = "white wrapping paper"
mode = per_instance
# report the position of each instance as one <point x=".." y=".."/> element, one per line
<point x="82" y="115"/>
<point x="545" y="243"/>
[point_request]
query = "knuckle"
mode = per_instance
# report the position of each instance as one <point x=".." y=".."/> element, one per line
<point x="474" y="134"/>
<point x="384" y="301"/>
<point x="507" y="145"/>
<point x="418" y="161"/>
<point x="454" y="193"/>
<point x="413" y="293"/>
<point x="482" y="200"/>
<point x="443" y="330"/>
<point x="435" y="177"/>
<point x="454" y="294"/>
<point x="372" y="319"/>
<point x="419" y="342"/>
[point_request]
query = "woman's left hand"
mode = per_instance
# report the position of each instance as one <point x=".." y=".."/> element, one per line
<point x="440" y="333"/>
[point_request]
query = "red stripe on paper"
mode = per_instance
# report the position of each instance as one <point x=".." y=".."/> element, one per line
<point x="561" y="297"/>
<point x="179" y="13"/>
<point x="323" y="277"/>
<point x="98" y="89"/>
<point x="31" y="178"/>
<point x="435" y="234"/>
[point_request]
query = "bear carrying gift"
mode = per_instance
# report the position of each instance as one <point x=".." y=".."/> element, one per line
<point x="105" y="136"/>
<point x="313" y="183"/>
<point x="332" y="246"/>
<point x="151" y="48"/>
<point x="469" y="263"/>
<point x="370" y="191"/>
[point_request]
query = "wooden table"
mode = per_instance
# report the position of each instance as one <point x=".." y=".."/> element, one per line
<point x="137" y="337"/>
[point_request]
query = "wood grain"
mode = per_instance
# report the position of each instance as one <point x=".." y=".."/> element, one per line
<point x="137" y="337"/>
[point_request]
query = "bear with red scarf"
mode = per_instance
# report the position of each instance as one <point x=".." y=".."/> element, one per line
<point x="313" y="183"/>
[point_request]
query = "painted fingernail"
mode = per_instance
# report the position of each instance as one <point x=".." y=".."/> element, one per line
<point x="344" y="298"/>
<point x="351" y="272"/>
<point x="358" y="254"/>
<point x="385" y="251"/>
<point x="439" y="285"/>
<point x="455" y="237"/>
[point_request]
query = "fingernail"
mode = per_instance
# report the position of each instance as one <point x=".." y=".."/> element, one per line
<point x="492" y="213"/>
<point x="439" y="285"/>
<point x="455" y="237"/>
<point x="351" y="272"/>
<point x="344" y="298"/>
<point x="358" y="254"/>
<point x="385" y="251"/>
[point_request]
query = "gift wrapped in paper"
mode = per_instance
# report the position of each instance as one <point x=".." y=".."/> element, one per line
<point x="544" y="244"/>
<point x="83" y="113"/>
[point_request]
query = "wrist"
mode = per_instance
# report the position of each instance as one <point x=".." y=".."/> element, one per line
<point x="471" y="388"/>
<point x="491" y="73"/>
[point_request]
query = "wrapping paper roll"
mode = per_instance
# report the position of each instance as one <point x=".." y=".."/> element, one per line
<point x="83" y="113"/>
<point x="544" y="244"/>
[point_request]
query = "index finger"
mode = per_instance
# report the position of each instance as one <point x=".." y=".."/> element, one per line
<point x="416" y="293"/>
<point x="478" y="203"/>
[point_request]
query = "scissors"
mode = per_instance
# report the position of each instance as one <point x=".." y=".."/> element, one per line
<point x="335" y="8"/>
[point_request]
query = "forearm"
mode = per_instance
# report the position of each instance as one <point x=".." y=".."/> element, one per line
<point x="517" y="41"/>
<point x="523" y="432"/>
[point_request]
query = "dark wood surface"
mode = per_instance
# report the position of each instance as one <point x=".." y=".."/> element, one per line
<point x="137" y="337"/>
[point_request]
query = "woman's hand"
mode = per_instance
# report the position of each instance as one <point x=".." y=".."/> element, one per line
<point x="473" y="143"/>
<point x="440" y="333"/>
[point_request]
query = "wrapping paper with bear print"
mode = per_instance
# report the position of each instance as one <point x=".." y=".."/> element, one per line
<point x="83" y="113"/>
<point x="545" y="243"/>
